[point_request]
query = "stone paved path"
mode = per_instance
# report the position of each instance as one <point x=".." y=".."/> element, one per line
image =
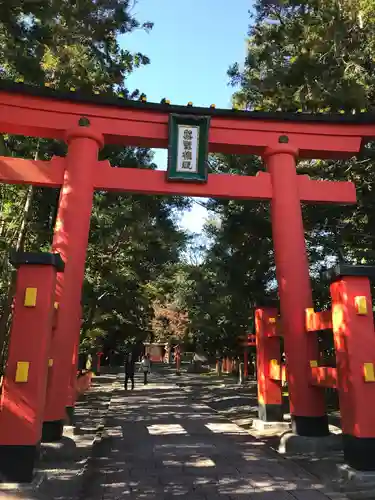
<point x="165" y="446"/>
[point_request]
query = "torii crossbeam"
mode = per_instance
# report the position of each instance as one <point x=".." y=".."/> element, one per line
<point x="142" y="181"/>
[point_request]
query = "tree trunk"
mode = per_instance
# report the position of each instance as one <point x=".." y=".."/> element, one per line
<point x="20" y="245"/>
<point x="87" y="325"/>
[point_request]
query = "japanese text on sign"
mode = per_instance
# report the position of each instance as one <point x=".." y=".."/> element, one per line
<point x="187" y="153"/>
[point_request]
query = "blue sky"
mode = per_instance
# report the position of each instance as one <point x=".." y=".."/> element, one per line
<point x="191" y="46"/>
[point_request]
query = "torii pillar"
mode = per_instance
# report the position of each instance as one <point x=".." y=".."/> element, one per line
<point x="307" y="406"/>
<point x="70" y="240"/>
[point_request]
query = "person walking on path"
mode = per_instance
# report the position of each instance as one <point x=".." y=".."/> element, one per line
<point x="145" y="367"/>
<point x="129" y="370"/>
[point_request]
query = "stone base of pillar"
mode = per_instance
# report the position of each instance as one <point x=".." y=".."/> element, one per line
<point x="270" y="412"/>
<point x="295" y="445"/>
<point x="358" y="481"/>
<point x="52" y="431"/>
<point x="359" y="453"/>
<point x="17" y="463"/>
<point x="65" y="449"/>
<point x="276" y="426"/>
<point x="310" y="426"/>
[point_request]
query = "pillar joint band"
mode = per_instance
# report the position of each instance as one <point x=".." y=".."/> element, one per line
<point x="80" y="132"/>
<point x="281" y="148"/>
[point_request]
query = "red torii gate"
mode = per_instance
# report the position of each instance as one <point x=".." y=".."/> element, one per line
<point x="86" y="123"/>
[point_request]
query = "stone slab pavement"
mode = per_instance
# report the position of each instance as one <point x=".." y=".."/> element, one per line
<point x="161" y="444"/>
<point x="239" y="404"/>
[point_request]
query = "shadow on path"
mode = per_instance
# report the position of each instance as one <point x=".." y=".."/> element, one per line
<point x="162" y="444"/>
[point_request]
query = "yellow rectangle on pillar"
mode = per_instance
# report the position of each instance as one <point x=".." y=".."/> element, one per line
<point x="313" y="363"/>
<point x="360" y="303"/>
<point x="30" y="297"/>
<point x="50" y="362"/>
<point x="368" y="372"/>
<point x="22" y="372"/>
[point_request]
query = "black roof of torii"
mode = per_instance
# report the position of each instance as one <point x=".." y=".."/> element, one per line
<point x="110" y="100"/>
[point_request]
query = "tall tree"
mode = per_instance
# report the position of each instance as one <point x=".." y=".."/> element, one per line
<point x="69" y="44"/>
<point x="303" y="56"/>
<point x="75" y="46"/>
<point x="311" y="57"/>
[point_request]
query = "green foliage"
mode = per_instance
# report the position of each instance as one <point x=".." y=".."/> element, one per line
<point x="131" y="240"/>
<point x="308" y="56"/>
<point x="314" y="57"/>
<point x="69" y="44"/>
<point x="75" y="46"/>
<point x="237" y="270"/>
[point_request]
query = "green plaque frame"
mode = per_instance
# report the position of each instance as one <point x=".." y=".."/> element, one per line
<point x="200" y="173"/>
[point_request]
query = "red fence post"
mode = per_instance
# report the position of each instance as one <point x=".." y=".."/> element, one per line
<point x="25" y="381"/>
<point x="354" y="336"/>
<point x="268" y="351"/>
<point x="178" y="359"/>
